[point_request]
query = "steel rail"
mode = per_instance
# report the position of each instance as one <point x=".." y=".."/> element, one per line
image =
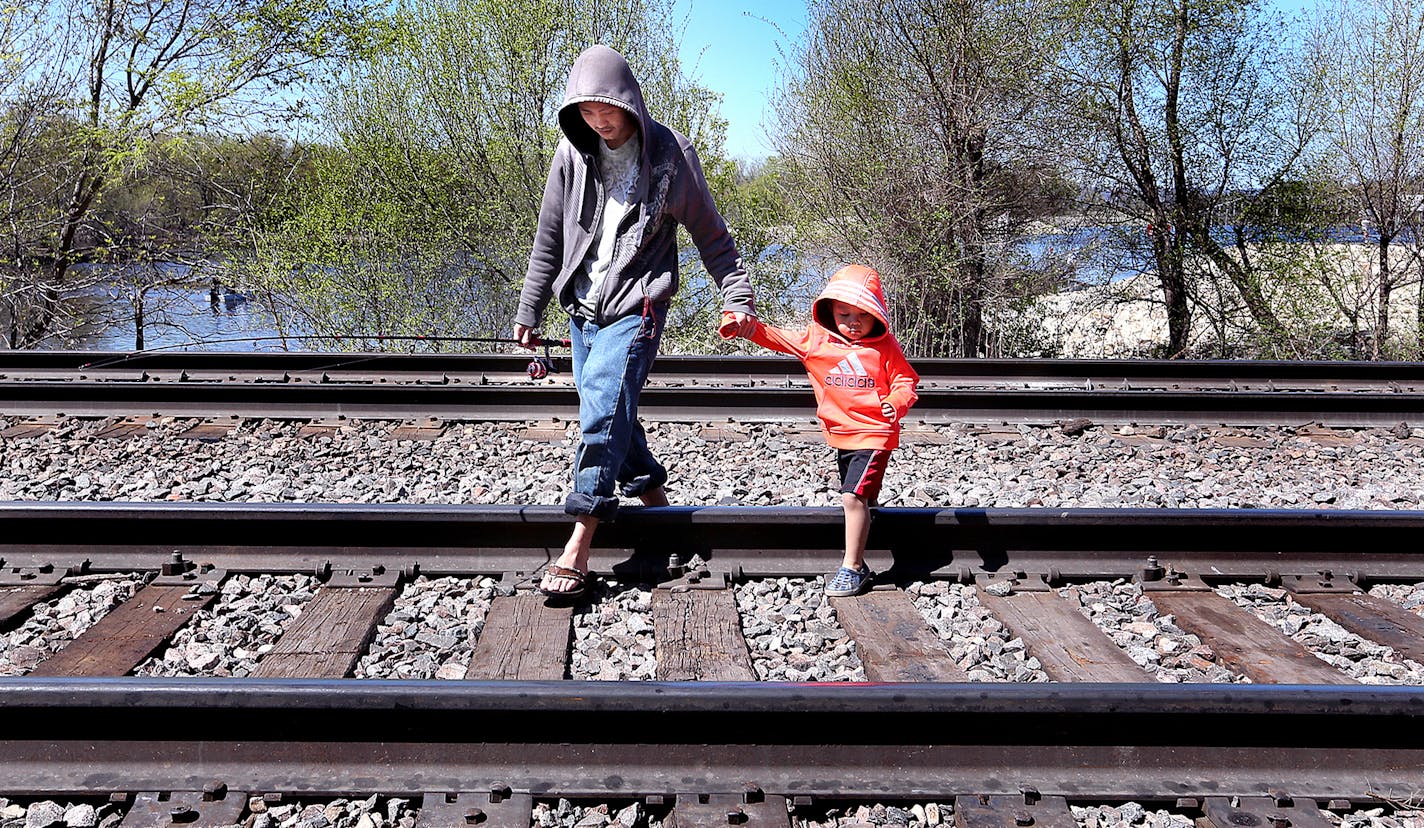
<point x="487" y="387"/>
<point x="1056" y="545"/>
<point x="998" y="372"/>
<point x="306" y="400"/>
<point x="903" y="741"/>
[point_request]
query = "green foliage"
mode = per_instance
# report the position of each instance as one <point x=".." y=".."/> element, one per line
<point x="931" y="140"/>
<point x="752" y="202"/>
<point x="421" y="213"/>
<point x="1368" y="62"/>
<point x="1311" y="288"/>
<point x="125" y="80"/>
<point x="1293" y="210"/>
<point x="345" y="258"/>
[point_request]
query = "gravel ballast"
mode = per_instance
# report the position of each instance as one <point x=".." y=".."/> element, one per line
<point x="267" y="461"/>
<point x="790" y="627"/>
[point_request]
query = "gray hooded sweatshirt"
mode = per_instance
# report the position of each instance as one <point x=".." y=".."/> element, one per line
<point x="670" y="190"/>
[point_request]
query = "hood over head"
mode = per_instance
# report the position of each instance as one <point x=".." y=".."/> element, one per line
<point x="600" y="75"/>
<point x="855" y="285"/>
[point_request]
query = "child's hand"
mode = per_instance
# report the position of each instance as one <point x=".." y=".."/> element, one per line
<point x="735" y="324"/>
<point x="728" y="327"/>
<point x="889" y="411"/>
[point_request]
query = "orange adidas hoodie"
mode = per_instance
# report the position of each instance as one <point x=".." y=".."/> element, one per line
<point x="850" y="379"/>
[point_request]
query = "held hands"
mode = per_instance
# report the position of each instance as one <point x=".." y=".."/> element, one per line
<point x="889" y="411"/>
<point x="735" y="324"/>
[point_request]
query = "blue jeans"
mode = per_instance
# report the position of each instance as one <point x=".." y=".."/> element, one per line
<point x="611" y="363"/>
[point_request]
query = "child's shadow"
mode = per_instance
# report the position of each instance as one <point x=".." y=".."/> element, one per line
<point x="919" y="553"/>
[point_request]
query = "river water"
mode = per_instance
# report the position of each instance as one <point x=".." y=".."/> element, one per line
<point x="188" y="318"/>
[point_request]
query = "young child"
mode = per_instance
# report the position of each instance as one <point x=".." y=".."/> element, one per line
<point x="863" y="384"/>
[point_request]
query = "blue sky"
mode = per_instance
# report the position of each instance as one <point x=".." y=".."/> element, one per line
<point x="730" y="46"/>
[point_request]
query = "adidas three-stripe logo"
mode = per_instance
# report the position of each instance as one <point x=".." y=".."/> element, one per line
<point x="850" y="366"/>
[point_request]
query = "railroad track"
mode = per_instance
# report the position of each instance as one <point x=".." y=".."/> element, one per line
<point x="694" y="389"/>
<point x="706" y="743"/>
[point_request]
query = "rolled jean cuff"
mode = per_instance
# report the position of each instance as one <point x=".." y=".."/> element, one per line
<point x="642" y="484"/>
<point x="603" y="508"/>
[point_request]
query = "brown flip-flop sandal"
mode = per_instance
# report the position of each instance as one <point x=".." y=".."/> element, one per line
<point x="579" y="578"/>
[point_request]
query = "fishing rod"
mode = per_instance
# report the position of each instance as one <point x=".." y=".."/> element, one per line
<point x="540" y="366"/>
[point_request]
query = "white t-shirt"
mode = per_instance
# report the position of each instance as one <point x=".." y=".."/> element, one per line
<point x="619" y="171"/>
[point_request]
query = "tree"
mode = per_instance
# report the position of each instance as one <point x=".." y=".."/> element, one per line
<point x="32" y="131"/>
<point x="751" y="197"/>
<point x="426" y="187"/>
<point x="118" y="74"/>
<point x="913" y="133"/>
<point x="1370" y="57"/>
<point x="1190" y="114"/>
<point x="171" y="223"/>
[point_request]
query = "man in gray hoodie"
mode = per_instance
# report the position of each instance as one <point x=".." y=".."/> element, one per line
<point x="606" y="248"/>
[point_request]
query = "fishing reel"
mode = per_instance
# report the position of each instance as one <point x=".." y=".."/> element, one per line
<point x="542" y="365"/>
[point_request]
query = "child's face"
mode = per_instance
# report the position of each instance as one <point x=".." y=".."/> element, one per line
<point x="613" y="124"/>
<point x="852" y="322"/>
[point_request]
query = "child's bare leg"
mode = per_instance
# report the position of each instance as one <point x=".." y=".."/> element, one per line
<point x="576" y="554"/>
<point x="857" y="529"/>
<point x="654" y="497"/>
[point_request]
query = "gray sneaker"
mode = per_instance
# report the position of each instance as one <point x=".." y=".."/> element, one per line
<point x="847" y="582"/>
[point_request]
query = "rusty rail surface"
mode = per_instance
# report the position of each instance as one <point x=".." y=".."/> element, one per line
<point x="734" y="541"/>
<point x="494" y="387"/>
<point x="591" y="739"/>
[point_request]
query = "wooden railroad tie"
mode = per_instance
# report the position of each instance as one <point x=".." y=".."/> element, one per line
<point x="332" y="632"/>
<point x="33" y="427"/>
<point x="423" y="428"/>
<point x="525" y="638"/>
<point x="1065" y="642"/>
<point x="211" y="430"/>
<point x="1241" y="441"/>
<point x="1243" y="642"/>
<point x="22" y="588"/>
<point x="802" y="433"/>
<point x="1329" y="436"/>
<point x="698" y="635"/>
<point x="323" y="427"/>
<point x="1365" y="615"/>
<point x="126" y="428"/>
<point x="923" y="434"/>
<point x="997" y="434"/>
<point x="133" y="630"/>
<point x="893" y="640"/>
<point x="722" y="433"/>
<point x="545" y="431"/>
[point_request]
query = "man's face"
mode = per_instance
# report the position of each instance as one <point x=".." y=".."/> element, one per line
<point x="612" y="123"/>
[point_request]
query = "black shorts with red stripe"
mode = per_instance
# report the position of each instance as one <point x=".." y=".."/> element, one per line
<point x="862" y="471"/>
